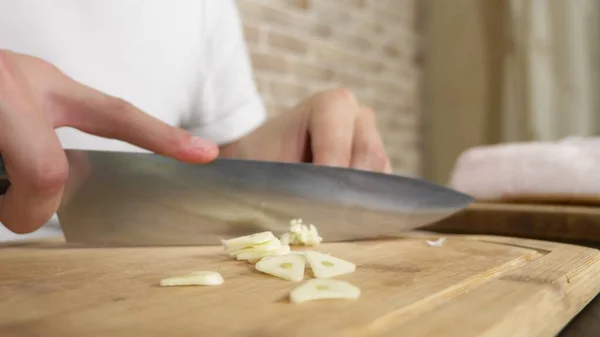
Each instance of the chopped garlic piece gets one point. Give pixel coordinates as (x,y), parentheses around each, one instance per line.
(437,243)
(257,255)
(301,234)
(288,267)
(248,240)
(270,245)
(317,289)
(202,278)
(327,266)
(285,239)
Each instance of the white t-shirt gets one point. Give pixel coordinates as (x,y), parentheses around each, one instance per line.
(182,61)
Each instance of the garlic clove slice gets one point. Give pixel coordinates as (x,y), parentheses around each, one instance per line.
(203,278)
(257,255)
(285,239)
(270,245)
(248,240)
(288,267)
(320,289)
(327,266)
(437,243)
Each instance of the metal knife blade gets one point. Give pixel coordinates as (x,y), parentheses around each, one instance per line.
(148,199)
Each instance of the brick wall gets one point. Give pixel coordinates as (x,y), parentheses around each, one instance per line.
(299,47)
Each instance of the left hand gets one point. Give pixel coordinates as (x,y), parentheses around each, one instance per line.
(330,128)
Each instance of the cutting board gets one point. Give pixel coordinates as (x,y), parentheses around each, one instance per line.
(470,286)
(566,223)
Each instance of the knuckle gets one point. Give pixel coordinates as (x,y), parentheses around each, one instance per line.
(367,111)
(50,175)
(338,95)
(343,94)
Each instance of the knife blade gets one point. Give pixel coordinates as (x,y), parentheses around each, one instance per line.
(128,198)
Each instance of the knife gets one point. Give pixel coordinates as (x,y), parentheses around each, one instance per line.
(140,199)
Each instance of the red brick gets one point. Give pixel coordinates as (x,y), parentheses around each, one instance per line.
(299,4)
(370,29)
(269,63)
(289,91)
(306,71)
(287,42)
(394,52)
(359,43)
(350,80)
(251,10)
(252,34)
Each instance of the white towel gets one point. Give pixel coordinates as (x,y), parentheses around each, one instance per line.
(567,168)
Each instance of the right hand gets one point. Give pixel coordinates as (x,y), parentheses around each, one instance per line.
(36,98)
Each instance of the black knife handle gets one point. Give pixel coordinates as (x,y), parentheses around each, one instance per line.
(4,183)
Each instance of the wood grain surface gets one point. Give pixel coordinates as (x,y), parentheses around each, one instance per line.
(471,286)
(564,223)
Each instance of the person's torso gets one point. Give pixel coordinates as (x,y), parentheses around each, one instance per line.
(147,52)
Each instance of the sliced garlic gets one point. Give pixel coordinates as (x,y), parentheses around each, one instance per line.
(247,240)
(319,289)
(270,245)
(327,266)
(288,267)
(203,278)
(285,239)
(257,255)
(437,243)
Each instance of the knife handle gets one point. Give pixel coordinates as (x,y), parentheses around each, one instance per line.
(4,183)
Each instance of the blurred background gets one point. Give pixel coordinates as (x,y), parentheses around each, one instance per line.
(442,75)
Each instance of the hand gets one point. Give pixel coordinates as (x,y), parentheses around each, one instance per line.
(36,98)
(330,128)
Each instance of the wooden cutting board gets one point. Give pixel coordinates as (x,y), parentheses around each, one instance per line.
(567,223)
(470,286)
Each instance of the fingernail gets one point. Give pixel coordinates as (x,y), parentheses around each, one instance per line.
(202,145)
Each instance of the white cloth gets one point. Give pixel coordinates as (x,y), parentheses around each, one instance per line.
(182,61)
(567,168)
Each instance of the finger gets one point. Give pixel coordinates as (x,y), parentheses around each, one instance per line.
(388,168)
(368,151)
(96,113)
(33,157)
(331,127)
